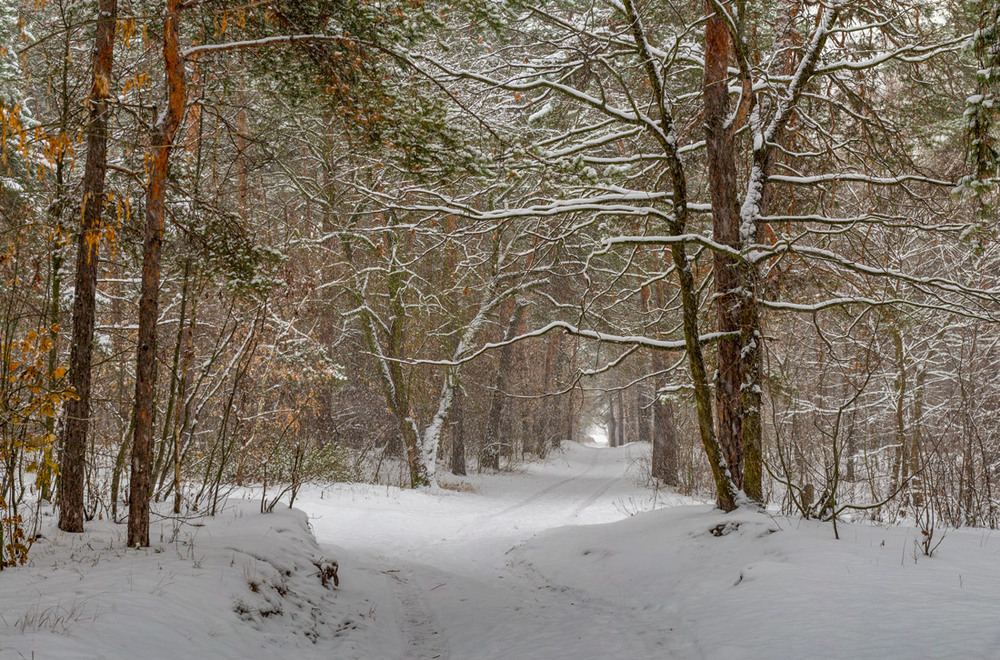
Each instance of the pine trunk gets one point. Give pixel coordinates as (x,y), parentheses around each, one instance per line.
(161,141)
(74,444)
(725,231)
(490,456)
(612,423)
(458,435)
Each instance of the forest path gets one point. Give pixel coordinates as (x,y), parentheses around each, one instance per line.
(441,575)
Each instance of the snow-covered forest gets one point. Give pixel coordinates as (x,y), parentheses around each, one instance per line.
(461,280)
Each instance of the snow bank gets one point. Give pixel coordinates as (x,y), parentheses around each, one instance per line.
(225,587)
(746,585)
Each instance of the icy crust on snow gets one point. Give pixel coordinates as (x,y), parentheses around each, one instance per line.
(224,587)
(747,585)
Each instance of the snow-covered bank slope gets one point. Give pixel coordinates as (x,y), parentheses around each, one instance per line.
(779,588)
(239,585)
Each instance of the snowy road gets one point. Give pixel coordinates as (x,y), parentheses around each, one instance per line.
(523,569)
(441,576)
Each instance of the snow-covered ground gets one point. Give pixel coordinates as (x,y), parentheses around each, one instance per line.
(571,558)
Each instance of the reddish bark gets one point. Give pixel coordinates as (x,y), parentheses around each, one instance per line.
(161,142)
(726,231)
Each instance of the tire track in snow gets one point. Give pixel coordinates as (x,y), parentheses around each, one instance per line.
(531,499)
(415,621)
(641,632)
(590,501)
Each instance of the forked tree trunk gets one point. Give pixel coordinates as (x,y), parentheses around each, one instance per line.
(161,142)
(754,209)
(74,444)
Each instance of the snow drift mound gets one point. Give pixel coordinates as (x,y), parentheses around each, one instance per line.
(224,587)
(746,585)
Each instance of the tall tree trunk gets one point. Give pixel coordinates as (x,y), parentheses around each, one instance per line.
(175,401)
(242,130)
(182,410)
(545,414)
(621,419)
(917,489)
(569,426)
(404,413)
(46,479)
(161,142)
(665,444)
(74,442)
(725,231)
(665,462)
(728,494)
(490,456)
(752,396)
(458,435)
(900,462)
(612,422)
(642,412)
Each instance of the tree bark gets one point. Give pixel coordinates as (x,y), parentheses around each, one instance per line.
(725,231)
(900,462)
(642,412)
(458,435)
(665,133)
(161,142)
(665,445)
(612,422)
(490,456)
(621,420)
(546,411)
(74,444)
